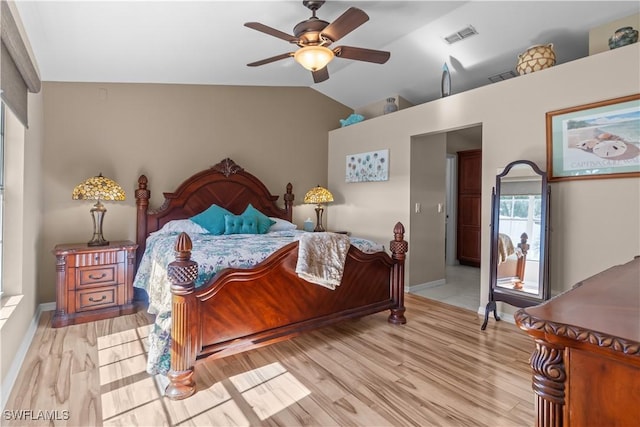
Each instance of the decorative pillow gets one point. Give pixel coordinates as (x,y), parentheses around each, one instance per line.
(212,219)
(281,225)
(263,221)
(180,225)
(244,224)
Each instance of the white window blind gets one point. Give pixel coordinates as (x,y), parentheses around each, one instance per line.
(18,74)
(1,187)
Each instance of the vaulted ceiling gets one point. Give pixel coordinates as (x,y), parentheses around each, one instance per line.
(206,42)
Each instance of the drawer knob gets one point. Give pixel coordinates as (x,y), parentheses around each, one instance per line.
(97,300)
(91,276)
(96,258)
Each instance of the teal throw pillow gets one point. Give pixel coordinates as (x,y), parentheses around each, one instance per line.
(212,219)
(264,222)
(244,224)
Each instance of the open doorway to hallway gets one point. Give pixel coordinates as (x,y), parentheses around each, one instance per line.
(461,284)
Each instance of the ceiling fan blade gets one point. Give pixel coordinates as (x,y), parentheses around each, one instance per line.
(320,75)
(272,59)
(361,54)
(345,23)
(271,31)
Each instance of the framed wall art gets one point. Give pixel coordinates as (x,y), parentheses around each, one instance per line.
(365,167)
(597,140)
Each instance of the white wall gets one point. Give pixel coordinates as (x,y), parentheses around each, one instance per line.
(22,236)
(594,223)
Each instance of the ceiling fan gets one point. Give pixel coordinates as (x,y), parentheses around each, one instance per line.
(314,35)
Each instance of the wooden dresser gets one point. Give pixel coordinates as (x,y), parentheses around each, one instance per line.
(586,366)
(93,282)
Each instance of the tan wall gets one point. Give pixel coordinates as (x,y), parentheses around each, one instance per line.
(428,185)
(169,132)
(22,236)
(512,114)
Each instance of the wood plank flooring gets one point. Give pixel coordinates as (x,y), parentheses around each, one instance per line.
(437,370)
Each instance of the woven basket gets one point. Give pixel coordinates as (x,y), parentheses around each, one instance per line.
(536,58)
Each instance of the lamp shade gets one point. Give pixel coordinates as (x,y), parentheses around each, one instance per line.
(313,58)
(318,195)
(98,188)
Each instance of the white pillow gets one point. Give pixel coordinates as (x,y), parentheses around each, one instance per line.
(180,225)
(281,225)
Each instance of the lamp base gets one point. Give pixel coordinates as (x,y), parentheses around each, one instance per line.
(319,210)
(97,213)
(98,241)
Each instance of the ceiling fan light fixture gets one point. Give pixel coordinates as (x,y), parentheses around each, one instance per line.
(313,58)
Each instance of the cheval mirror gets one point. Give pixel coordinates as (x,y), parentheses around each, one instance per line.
(519,236)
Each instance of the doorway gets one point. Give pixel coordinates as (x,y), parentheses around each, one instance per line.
(461,283)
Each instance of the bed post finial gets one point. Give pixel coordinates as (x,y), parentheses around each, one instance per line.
(142,205)
(182,273)
(399,247)
(288,201)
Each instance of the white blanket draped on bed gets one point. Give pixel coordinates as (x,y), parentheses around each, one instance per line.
(321,258)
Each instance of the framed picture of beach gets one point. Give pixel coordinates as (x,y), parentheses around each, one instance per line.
(597,140)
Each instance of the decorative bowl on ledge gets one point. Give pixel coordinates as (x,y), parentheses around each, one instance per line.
(536,58)
(622,37)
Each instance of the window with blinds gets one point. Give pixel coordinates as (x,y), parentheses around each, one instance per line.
(1,185)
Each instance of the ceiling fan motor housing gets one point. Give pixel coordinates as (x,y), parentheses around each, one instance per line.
(308,32)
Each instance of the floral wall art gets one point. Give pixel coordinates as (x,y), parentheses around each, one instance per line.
(365,167)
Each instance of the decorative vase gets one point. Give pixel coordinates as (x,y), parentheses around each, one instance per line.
(308,225)
(445,81)
(536,58)
(390,106)
(622,37)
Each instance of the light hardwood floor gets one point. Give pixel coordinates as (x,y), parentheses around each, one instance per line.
(439,369)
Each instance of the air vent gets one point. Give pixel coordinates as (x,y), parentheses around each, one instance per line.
(502,76)
(461,35)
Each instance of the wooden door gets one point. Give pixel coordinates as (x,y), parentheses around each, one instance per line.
(469,192)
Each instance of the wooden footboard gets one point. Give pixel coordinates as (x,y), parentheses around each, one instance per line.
(241,309)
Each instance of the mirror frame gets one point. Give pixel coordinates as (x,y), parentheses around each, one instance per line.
(515,297)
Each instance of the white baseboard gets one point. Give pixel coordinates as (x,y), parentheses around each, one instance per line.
(503,316)
(14,370)
(423,286)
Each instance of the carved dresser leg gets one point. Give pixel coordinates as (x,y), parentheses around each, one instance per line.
(549,377)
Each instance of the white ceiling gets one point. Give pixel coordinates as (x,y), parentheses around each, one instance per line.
(205,42)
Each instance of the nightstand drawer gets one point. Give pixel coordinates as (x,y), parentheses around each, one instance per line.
(91,299)
(103,275)
(98,258)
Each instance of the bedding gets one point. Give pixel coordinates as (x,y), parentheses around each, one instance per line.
(181,225)
(213,253)
(281,225)
(505,248)
(321,258)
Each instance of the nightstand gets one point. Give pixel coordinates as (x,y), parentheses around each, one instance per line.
(93,282)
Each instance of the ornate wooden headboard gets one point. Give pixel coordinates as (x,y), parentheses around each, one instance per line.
(225,184)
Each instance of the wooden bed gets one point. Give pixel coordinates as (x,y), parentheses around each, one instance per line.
(241,309)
